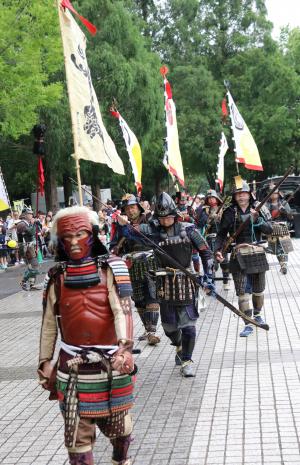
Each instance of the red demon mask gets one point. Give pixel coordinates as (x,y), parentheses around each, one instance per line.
(75,232)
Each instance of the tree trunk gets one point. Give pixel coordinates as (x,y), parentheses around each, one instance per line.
(96,193)
(68,188)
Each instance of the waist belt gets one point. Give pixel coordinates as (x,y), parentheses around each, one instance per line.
(75,350)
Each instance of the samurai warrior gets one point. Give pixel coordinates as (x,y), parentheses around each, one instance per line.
(186,214)
(87,299)
(176,291)
(139,259)
(209,219)
(26,232)
(248,263)
(279,242)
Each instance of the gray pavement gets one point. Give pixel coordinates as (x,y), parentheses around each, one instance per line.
(11,278)
(242,408)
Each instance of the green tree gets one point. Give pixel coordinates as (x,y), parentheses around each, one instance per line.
(29,57)
(267,95)
(123,68)
(207,41)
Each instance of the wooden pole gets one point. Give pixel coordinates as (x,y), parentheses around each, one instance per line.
(79,181)
(74,123)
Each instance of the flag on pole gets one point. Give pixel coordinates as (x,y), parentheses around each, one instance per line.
(222,153)
(133,149)
(91,140)
(18,205)
(4,199)
(245,147)
(41,177)
(173,151)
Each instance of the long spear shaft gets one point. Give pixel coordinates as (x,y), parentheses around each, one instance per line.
(177,265)
(257,209)
(292,194)
(197,193)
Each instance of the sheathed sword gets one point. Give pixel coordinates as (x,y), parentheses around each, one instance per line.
(178,266)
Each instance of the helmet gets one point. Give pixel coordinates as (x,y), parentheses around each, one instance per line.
(165,206)
(130,199)
(27,210)
(181,197)
(213,193)
(244,188)
(277,191)
(12,244)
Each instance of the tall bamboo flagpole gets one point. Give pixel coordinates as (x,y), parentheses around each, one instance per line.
(74,123)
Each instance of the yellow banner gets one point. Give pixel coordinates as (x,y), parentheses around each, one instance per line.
(245,146)
(91,140)
(4,200)
(18,205)
(134,152)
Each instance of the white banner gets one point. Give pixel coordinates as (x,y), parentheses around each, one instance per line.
(91,140)
(222,153)
(174,156)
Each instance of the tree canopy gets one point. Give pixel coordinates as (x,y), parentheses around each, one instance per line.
(202,42)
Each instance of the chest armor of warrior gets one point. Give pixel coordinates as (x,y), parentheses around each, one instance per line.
(212,223)
(28,233)
(85,315)
(176,243)
(246,235)
(173,286)
(274,210)
(131,245)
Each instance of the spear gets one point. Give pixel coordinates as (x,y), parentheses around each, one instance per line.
(178,266)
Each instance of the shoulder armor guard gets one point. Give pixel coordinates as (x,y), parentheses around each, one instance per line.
(51,277)
(121,276)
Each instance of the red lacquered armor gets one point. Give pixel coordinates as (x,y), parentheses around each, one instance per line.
(85,315)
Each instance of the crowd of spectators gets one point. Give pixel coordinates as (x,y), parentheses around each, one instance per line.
(9,241)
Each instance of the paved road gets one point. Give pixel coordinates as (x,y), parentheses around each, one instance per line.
(10,279)
(242,408)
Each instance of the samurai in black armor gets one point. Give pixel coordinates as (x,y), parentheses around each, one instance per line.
(139,259)
(279,242)
(176,292)
(248,263)
(210,218)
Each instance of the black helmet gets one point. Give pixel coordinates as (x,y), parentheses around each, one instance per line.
(130,199)
(165,206)
(213,193)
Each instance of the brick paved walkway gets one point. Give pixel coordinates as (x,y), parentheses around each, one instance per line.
(242,408)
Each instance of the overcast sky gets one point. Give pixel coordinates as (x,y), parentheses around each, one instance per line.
(283,12)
